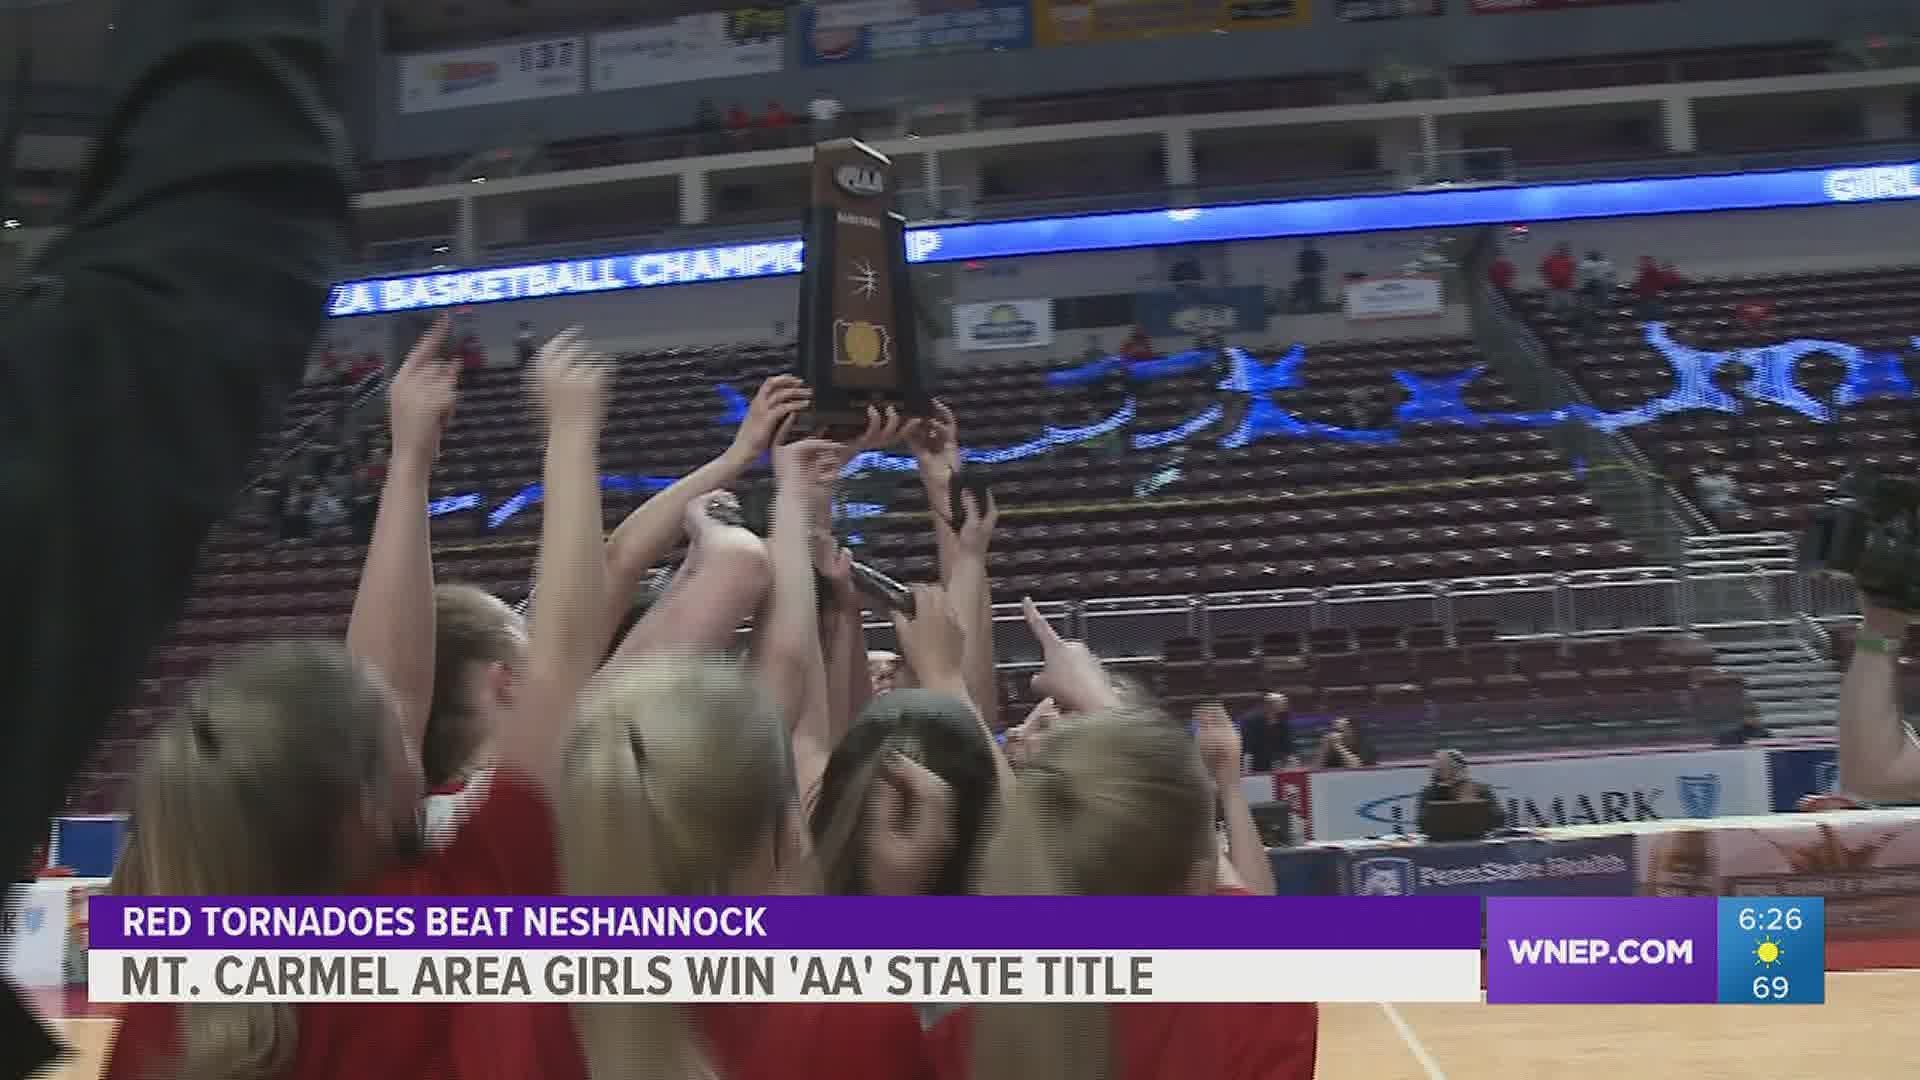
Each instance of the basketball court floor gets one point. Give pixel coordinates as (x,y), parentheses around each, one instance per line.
(1857,1035)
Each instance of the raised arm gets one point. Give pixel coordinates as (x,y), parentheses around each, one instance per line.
(849,686)
(566,640)
(392,626)
(1879,757)
(935,444)
(652,530)
(1220,747)
(789,652)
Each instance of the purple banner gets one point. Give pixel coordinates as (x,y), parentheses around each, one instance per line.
(785,922)
(1602,951)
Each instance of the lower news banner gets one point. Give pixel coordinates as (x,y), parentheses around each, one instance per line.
(932,950)
(1656,950)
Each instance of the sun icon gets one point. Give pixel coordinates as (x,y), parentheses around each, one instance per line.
(1767,953)
(866,280)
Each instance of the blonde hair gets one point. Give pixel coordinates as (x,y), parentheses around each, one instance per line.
(470,626)
(1114,804)
(250,791)
(678,776)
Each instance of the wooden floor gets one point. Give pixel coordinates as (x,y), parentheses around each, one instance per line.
(1855,1036)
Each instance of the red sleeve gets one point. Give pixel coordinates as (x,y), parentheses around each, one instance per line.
(866,1041)
(950,1046)
(1266,1042)
(505,848)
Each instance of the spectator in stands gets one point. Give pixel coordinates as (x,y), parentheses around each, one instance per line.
(1345,747)
(739,121)
(1597,279)
(825,111)
(1138,345)
(1452,782)
(883,670)
(1717,490)
(1648,288)
(1501,272)
(325,510)
(706,117)
(1559,271)
(293,511)
(778,118)
(1309,290)
(1267,732)
(1749,728)
(367,366)
(1754,314)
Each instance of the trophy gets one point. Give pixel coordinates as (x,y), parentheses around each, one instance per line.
(858,340)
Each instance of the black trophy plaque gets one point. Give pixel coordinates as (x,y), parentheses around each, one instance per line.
(858,345)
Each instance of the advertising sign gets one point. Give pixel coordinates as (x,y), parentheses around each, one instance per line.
(935,28)
(1402,296)
(1202,311)
(1865,864)
(1092,22)
(1502,7)
(840,14)
(1599,867)
(1793,775)
(492,74)
(1352,804)
(34,928)
(715,45)
(1003,324)
(1382,10)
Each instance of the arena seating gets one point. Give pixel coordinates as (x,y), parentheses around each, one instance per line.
(1415,688)
(1785,462)
(1444,501)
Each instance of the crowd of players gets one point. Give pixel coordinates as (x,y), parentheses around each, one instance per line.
(448,747)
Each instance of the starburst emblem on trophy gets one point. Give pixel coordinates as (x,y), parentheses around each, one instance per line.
(865,278)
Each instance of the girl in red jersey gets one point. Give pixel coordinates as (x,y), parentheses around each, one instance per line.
(1117,800)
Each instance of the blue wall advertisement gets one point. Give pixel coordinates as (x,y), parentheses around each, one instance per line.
(1795,774)
(937,27)
(1599,867)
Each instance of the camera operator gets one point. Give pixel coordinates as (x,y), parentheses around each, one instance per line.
(1879,755)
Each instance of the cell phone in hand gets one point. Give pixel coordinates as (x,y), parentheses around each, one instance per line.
(962,484)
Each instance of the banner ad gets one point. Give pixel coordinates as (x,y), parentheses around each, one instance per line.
(1503,7)
(1383,10)
(1353,804)
(1866,865)
(1403,296)
(1003,324)
(1201,311)
(716,45)
(1793,775)
(1603,866)
(492,74)
(935,28)
(1094,22)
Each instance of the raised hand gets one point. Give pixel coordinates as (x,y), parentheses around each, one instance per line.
(1219,741)
(1069,673)
(420,397)
(570,380)
(835,566)
(935,442)
(976,531)
(778,400)
(911,810)
(809,468)
(884,428)
(933,642)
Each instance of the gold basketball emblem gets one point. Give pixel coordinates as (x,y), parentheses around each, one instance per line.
(861,344)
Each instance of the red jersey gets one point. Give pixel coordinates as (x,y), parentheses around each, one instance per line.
(1176,1042)
(1558,270)
(1501,273)
(506,850)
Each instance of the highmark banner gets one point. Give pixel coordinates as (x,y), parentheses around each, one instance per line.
(492,74)
(931,950)
(1090,22)
(1353,804)
(714,45)
(923,28)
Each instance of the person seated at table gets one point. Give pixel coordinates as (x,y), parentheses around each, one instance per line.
(1452,782)
(1345,747)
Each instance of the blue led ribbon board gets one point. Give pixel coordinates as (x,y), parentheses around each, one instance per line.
(1152,228)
